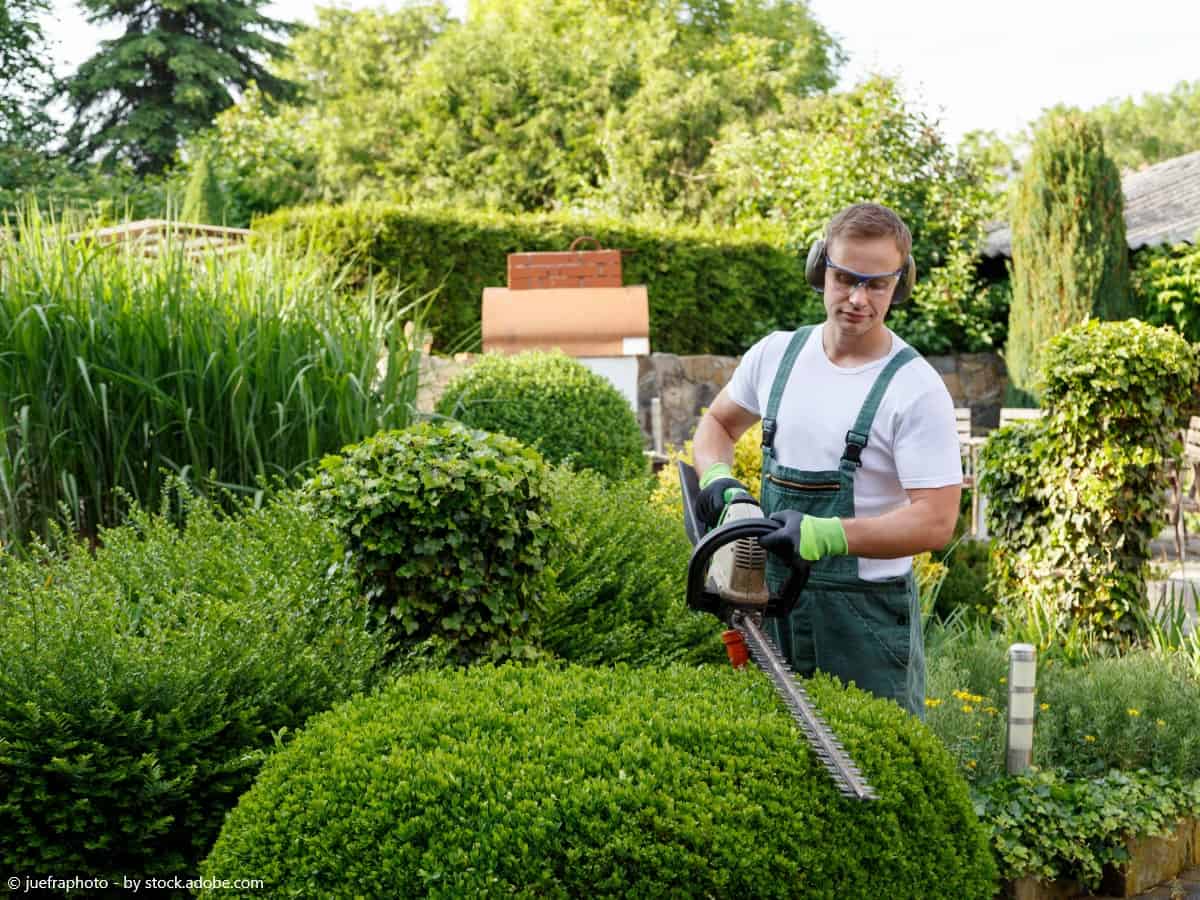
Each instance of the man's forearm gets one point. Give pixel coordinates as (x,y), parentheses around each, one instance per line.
(913,529)
(711,444)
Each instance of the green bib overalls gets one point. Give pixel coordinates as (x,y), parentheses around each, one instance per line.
(868,632)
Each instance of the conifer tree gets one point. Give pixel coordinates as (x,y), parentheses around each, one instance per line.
(204,201)
(168,75)
(1069,257)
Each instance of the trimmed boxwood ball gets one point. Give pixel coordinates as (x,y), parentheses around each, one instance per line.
(603,782)
(450,530)
(552,403)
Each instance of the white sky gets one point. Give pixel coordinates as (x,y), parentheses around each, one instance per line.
(972,65)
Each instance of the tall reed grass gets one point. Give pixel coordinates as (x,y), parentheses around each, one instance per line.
(226,371)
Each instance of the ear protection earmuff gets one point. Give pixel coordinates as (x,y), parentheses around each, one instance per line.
(814,271)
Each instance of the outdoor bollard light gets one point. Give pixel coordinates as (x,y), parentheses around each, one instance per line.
(656,423)
(1022,673)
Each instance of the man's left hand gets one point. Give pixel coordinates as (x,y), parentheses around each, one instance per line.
(808,537)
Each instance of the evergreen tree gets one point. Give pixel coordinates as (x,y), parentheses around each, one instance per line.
(204,202)
(1069,257)
(168,75)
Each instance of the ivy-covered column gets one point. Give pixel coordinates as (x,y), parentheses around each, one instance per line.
(1076,497)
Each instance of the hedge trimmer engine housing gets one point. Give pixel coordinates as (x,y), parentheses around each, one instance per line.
(727,578)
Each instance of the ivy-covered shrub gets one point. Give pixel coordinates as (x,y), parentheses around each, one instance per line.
(603,782)
(621,566)
(711,290)
(1075,497)
(553,403)
(450,530)
(141,685)
(1167,283)
(1046,824)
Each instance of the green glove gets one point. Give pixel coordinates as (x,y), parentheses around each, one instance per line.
(808,537)
(717,488)
(820,538)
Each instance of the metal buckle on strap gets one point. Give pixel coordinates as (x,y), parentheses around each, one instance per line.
(768,439)
(855,443)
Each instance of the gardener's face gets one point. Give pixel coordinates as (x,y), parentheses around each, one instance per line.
(857,306)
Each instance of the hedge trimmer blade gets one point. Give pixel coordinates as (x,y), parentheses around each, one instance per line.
(829,750)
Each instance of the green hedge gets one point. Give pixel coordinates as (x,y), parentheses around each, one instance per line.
(596,782)
(139,686)
(711,291)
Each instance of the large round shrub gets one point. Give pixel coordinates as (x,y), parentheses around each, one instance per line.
(601,782)
(450,530)
(553,403)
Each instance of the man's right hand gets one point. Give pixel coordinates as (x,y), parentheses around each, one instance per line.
(717,488)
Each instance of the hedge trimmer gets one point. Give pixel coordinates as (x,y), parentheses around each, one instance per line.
(727,577)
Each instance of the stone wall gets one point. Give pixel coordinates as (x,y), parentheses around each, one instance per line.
(687,384)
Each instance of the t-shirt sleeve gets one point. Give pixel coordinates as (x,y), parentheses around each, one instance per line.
(926,448)
(743,386)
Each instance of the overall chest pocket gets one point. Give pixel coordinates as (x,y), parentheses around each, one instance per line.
(822,486)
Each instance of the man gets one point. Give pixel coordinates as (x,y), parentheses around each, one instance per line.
(861,463)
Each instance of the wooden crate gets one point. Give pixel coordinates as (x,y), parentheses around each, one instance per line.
(571,268)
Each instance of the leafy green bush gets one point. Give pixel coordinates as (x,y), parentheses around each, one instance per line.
(450,530)
(1167,281)
(139,686)
(1075,497)
(603,782)
(552,403)
(711,291)
(621,566)
(1048,825)
(114,367)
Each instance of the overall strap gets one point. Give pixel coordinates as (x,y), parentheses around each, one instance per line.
(856,437)
(795,345)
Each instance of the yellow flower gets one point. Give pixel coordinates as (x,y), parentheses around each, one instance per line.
(971,763)
(1133,712)
(1044,707)
(991,710)
(932,702)
(1090,738)
(968,709)
(1003,680)
(1159,722)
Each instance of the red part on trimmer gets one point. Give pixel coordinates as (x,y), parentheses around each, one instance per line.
(735,646)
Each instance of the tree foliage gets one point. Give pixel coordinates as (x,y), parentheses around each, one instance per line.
(868,144)
(1156,127)
(1069,257)
(532,105)
(25,76)
(168,75)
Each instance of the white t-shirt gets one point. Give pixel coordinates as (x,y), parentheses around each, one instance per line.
(913,441)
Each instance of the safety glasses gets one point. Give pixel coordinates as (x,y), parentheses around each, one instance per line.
(846,280)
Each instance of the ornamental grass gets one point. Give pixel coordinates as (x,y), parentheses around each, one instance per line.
(116,368)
